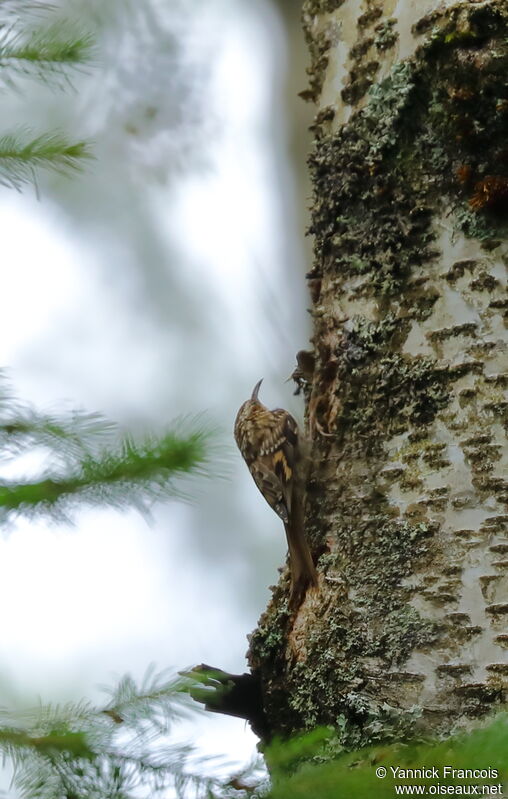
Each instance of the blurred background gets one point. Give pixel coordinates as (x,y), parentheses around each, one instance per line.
(163,281)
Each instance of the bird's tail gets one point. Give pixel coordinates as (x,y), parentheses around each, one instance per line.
(303,571)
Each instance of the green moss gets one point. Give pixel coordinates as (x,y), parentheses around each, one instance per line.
(380,389)
(406,630)
(267,641)
(474,225)
(377,178)
(428,134)
(360,80)
(378,723)
(363,222)
(378,555)
(386,36)
(381,724)
(317,7)
(378,623)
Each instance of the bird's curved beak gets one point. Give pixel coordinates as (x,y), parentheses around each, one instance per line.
(255,390)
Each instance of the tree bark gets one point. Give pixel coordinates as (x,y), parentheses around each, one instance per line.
(406,507)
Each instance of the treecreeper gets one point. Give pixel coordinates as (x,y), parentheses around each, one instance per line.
(274,449)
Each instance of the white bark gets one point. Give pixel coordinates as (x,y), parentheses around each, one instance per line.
(407,503)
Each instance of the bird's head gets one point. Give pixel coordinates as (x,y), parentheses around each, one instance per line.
(245,411)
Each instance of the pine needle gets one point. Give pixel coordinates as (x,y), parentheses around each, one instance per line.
(22,154)
(88,752)
(45,54)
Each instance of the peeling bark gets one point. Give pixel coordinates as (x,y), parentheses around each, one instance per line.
(407,408)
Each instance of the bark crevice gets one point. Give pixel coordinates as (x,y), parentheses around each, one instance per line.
(407,499)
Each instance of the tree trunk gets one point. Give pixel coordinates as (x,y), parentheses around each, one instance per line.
(406,408)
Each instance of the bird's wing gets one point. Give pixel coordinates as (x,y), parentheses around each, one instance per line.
(273,470)
(270,486)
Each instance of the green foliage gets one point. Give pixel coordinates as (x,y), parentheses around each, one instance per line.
(44,53)
(120,750)
(79,750)
(22,153)
(22,427)
(117,750)
(303,768)
(47,53)
(90,463)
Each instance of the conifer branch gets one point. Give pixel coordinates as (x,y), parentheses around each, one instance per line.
(21,156)
(90,463)
(67,435)
(46,54)
(71,434)
(159,699)
(85,751)
(15,8)
(132,473)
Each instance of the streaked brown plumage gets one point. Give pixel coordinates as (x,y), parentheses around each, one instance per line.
(270,445)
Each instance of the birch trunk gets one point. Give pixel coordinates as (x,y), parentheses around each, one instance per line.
(406,507)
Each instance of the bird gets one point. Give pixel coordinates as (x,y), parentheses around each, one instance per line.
(272,447)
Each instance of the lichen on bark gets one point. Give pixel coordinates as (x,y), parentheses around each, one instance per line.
(406,501)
